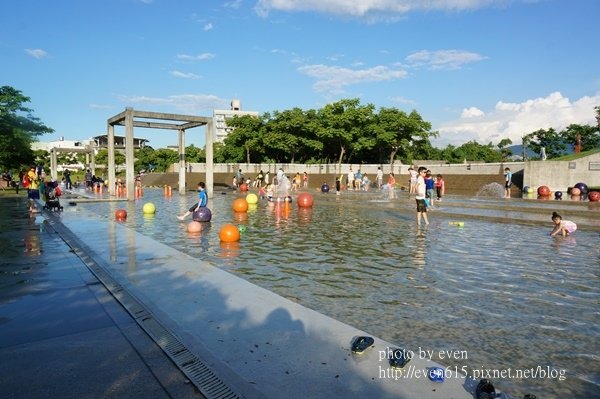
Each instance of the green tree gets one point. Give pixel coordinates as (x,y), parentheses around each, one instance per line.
(42,157)
(402,134)
(164,158)
(195,154)
(473,151)
(343,122)
(589,135)
(292,136)
(550,140)
(102,157)
(246,138)
(143,157)
(505,152)
(18,129)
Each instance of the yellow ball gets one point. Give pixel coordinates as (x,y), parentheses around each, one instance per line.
(149,208)
(529,190)
(251,198)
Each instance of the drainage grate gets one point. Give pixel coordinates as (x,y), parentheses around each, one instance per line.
(209,384)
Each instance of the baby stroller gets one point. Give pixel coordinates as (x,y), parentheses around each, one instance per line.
(51,194)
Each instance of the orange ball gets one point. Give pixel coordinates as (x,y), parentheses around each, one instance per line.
(240,205)
(194,227)
(305,200)
(229,233)
(121,214)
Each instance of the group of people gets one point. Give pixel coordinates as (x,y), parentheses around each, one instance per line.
(426,189)
(263,180)
(357,181)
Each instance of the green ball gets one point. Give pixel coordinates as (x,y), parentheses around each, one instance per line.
(149,208)
(241,228)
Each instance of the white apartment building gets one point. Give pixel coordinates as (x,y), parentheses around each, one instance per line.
(220,117)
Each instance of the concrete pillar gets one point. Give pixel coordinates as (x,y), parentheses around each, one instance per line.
(92,162)
(210,134)
(111,160)
(181,151)
(53,164)
(129,171)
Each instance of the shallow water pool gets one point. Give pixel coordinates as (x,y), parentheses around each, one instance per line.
(496,296)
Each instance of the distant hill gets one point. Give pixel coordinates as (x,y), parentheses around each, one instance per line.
(517,152)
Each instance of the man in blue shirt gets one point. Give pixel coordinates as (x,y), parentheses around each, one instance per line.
(202,201)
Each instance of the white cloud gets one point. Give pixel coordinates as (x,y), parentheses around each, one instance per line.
(208,27)
(402,100)
(442,59)
(235,4)
(471,112)
(36,53)
(199,57)
(189,75)
(385,9)
(100,106)
(334,78)
(514,120)
(183,103)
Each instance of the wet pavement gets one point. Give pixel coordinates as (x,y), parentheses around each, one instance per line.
(62,334)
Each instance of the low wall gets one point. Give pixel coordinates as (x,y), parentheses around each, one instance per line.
(371,169)
(560,175)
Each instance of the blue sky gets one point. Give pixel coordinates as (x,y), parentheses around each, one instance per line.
(476,69)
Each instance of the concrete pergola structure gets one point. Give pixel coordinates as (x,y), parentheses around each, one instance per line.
(88,151)
(131,118)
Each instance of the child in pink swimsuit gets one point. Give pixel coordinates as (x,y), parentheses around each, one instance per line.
(564,227)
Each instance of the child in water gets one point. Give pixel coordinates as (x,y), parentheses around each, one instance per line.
(564,227)
(202,201)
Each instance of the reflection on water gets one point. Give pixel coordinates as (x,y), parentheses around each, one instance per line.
(506,293)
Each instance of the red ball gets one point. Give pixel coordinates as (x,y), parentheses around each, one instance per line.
(243,187)
(594,196)
(543,191)
(305,200)
(121,214)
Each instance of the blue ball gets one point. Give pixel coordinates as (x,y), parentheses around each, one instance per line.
(325,188)
(558,195)
(582,187)
(202,215)
(525,189)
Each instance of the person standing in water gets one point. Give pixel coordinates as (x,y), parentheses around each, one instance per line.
(391,185)
(440,187)
(420,197)
(379,178)
(507,182)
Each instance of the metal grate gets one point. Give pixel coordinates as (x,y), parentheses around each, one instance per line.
(209,384)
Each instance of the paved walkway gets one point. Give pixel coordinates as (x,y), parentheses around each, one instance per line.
(62,335)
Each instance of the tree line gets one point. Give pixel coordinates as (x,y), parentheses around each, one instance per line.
(344,131)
